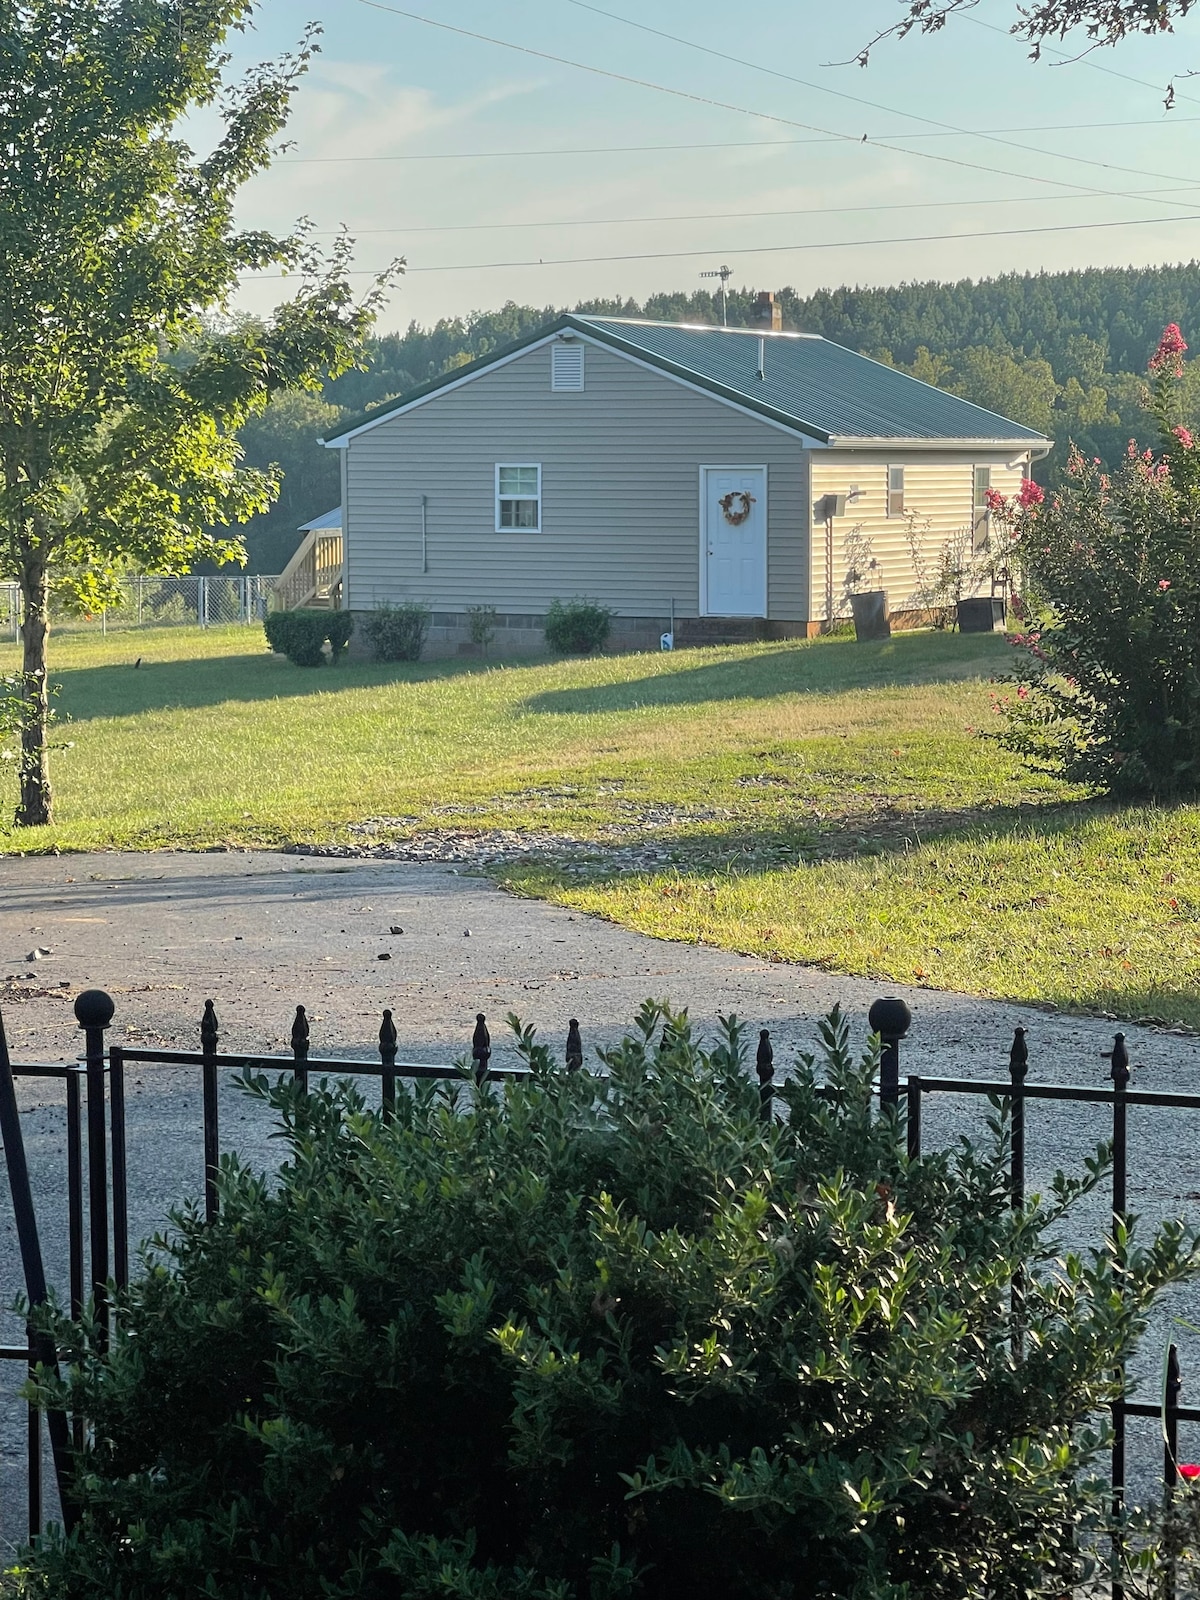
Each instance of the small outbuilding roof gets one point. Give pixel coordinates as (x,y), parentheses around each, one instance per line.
(327,522)
(805,382)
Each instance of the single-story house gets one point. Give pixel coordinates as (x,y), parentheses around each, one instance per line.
(720,483)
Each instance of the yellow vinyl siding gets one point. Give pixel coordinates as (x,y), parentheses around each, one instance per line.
(938,491)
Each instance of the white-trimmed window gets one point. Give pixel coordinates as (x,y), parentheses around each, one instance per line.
(518,498)
(895,498)
(980,516)
(566,366)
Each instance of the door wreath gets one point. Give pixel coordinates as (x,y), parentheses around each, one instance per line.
(726,503)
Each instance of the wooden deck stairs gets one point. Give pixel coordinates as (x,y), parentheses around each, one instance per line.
(313,577)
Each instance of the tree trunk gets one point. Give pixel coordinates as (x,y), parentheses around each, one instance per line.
(34,805)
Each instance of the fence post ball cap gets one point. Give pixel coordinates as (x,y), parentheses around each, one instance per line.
(889,1017)
(94,1008)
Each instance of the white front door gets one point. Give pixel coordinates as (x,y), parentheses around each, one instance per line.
(734,542)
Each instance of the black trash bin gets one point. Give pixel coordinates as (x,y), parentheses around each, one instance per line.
(982,614)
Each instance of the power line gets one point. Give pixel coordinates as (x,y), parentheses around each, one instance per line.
(724,105)
(769,249)
(856,99)
(722,216)
(716,144)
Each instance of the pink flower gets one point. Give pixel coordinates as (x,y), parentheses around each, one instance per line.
(1169,355)
(1189,1469)
(1163,585)
(994,500)
(1030,493)
(1184,437)
(1022,692)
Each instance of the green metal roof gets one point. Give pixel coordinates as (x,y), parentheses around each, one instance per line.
(808,383)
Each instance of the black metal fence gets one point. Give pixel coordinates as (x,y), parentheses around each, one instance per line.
(95,1099)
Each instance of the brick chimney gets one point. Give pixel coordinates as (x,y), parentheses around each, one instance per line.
(768,318)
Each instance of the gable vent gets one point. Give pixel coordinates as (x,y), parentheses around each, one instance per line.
(566,366)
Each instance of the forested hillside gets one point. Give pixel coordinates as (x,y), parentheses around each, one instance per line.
(1063,352)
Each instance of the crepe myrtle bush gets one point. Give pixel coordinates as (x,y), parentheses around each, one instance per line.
(602,1337)
(1109,690)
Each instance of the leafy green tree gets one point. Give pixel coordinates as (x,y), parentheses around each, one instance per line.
(1105,22)
(606,1338)
(284,439)
(116,240)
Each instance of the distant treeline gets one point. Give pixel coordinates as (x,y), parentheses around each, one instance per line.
(1064,352)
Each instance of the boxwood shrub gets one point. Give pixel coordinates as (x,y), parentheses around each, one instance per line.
(301,635)
(398,633)
(577,627)
(603,1338)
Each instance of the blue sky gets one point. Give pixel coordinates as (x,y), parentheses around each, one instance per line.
(768,187)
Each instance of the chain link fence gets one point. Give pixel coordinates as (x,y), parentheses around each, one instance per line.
(150,602)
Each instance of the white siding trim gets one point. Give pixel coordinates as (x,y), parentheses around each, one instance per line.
(344,464)
(848,441)
(739,466)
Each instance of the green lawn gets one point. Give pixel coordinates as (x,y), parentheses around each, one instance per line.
(826,802)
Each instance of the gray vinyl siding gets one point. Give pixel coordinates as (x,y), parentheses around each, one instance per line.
(620,493)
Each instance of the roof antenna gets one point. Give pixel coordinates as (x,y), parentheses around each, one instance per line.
(724,273)
(762,358)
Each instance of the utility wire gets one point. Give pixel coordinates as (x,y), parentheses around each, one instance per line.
(717,144)
(857,99)
(769,249)
(745,111)
(721,216)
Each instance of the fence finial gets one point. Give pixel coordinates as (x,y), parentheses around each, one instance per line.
(1018,1056)
(300,1033)
(764,1065)
(209,1029)
(300,1048)
(94,1008)
(387,1036)
(387,1062)
(1119,1056)
(890,1018)
(574,1046)
(481,1047)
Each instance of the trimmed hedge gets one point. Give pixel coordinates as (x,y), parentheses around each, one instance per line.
(577,627)
(397,633)
(301,635)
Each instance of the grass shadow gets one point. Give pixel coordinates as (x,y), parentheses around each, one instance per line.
(124,690)
(824,667)
(699,850)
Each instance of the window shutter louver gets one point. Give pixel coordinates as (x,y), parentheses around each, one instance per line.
(566,367)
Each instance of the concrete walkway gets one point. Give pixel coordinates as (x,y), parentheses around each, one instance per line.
(259,933)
